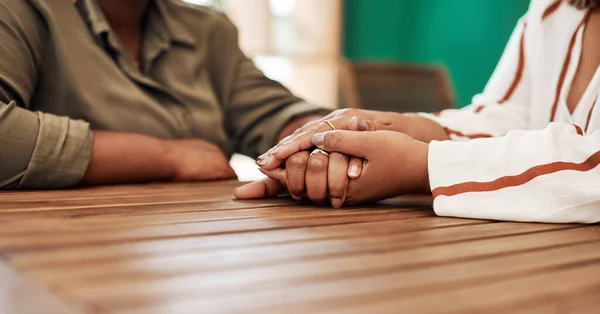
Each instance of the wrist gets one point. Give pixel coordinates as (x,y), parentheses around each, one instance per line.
(407,124)
(168,159)
(387,120)
(424,183)
(423,129)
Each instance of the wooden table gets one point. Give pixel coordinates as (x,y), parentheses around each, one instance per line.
(190,248)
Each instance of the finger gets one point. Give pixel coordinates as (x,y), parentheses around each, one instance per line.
(266,188)
(312,124)
(299,142)
(304,128)
(284,140)
(337,178)
(302,141)
(295,168)
(276,157)
(316,177)
(266,161)
(358,124)
(355,167)
(357,144)
(277,174)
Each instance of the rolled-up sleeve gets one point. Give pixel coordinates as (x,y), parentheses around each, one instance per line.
(39,150)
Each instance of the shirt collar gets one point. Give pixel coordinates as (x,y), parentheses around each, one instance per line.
(177,30)
(167,26)
(94,16)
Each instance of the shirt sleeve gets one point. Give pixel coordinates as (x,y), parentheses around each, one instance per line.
(504,103)
(259,108)
(548,175)
(37,150)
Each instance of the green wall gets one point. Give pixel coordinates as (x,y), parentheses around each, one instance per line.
(468,36)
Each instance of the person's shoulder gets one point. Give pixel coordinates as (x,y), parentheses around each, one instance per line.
(199,16)
(23,17)
(18,9)
(541,9)
(543,4)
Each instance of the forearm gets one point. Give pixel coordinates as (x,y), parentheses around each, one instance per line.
(127,158)
(539,175)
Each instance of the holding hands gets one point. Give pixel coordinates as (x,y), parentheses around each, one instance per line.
(361,156)
(338,120)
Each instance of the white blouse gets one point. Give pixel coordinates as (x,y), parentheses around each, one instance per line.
(516,152)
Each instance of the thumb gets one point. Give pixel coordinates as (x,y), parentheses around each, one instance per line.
(277,174)
(267,188)
(356,144)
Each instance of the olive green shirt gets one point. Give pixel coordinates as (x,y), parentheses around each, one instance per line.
(59,60)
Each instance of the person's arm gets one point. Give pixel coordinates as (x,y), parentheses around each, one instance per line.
(126,157)
(258,111)
(130,158)
(43,151)
(263,111)
(548,175)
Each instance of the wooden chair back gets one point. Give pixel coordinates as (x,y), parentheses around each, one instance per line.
(395,87)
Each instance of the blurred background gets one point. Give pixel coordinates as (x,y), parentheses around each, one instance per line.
(303,43)
(397,55)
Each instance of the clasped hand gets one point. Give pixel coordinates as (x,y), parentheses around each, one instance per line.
(364,159)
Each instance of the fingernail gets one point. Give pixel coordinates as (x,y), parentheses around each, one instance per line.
(263,160)
(297,198)
(318,139)
(354,123)
(337,202)
(353,172)
(362,125)
(235,193)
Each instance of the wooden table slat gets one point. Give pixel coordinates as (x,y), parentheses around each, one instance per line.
(407,275)
(269,254)
(575,278)
(161,247)
(191,248)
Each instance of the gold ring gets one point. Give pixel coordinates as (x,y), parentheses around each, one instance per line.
(330,124)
